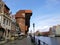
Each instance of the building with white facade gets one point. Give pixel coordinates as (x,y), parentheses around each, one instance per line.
(57,30)
(5,19)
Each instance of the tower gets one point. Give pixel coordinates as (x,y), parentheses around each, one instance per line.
(23,19)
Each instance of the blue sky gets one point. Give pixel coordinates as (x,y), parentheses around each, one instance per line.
(46,13)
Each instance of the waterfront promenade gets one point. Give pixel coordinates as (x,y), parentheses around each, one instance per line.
(24,41)
(27,41)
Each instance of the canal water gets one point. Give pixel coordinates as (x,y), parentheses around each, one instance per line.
(48,40)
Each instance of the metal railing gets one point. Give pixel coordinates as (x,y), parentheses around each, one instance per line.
(41,42)
(37,41)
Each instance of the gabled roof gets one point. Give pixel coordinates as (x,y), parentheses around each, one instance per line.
(6,7)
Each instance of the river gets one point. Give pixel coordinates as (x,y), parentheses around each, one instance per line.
(48,40)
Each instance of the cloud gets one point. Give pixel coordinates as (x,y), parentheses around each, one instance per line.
(43,29)
(50,21)
(47,15)
(46,21)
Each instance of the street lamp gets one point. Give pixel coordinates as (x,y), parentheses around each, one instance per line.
(34,30)
(33,26)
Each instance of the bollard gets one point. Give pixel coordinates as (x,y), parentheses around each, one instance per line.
(39,42)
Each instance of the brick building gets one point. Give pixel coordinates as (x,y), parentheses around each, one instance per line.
(23,19)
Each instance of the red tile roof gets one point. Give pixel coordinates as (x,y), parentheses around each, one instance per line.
(28,11)
(19,13)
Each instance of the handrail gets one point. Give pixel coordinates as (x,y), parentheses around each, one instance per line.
(39,42)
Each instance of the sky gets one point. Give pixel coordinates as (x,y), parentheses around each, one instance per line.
(46,13)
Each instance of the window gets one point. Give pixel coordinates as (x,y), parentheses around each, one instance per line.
(4,21)
(0,18)
(7,22)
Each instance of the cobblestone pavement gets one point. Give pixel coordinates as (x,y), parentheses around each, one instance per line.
(24,41)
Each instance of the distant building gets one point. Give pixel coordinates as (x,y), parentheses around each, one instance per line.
(50,30)
(53,30)
(57,32)
(45,33)
(23,19)
(37,33)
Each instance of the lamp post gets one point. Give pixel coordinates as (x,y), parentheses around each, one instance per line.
(33,26)
(34,30)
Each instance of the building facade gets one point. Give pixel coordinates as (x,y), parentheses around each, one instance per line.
(14,26)
(5,19)
(23,19)
(57,32)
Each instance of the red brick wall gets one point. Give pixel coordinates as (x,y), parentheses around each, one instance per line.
(21,23)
